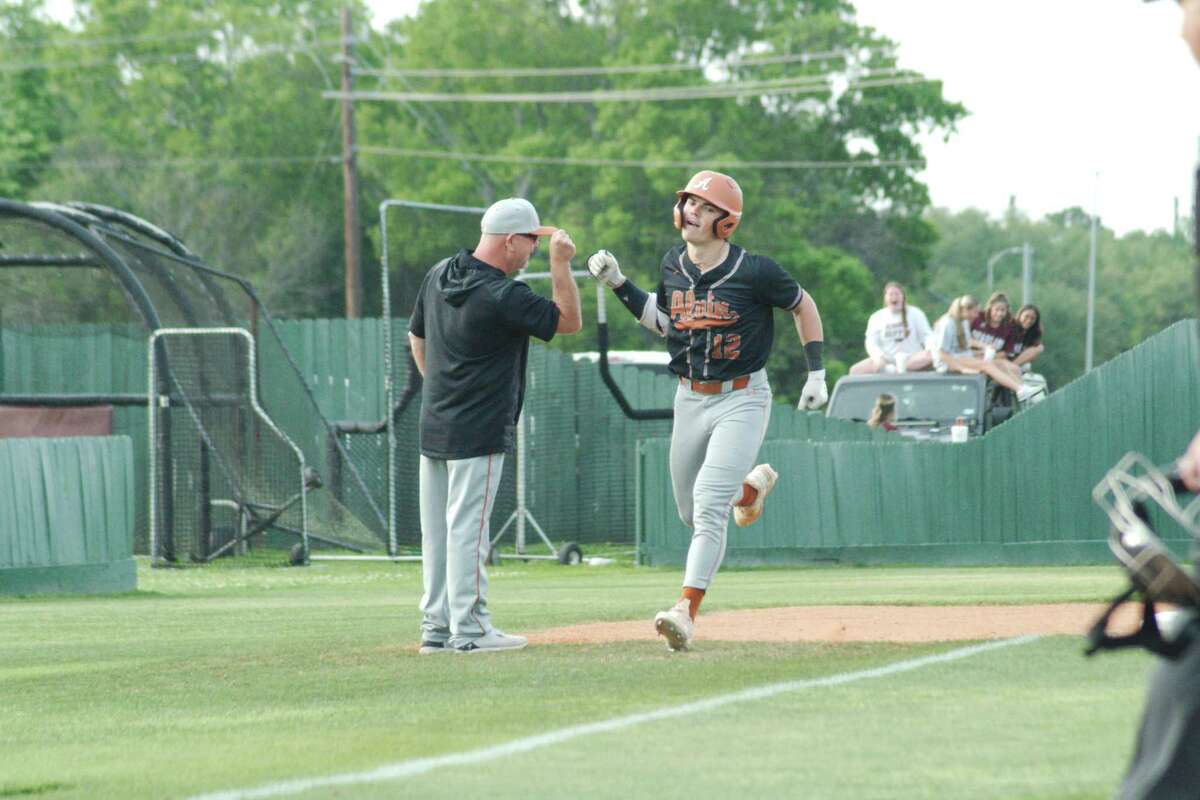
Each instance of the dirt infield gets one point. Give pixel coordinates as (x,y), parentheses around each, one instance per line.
(860,624)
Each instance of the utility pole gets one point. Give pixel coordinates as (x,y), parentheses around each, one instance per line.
(1026,274)
(1091,293)
(350,177)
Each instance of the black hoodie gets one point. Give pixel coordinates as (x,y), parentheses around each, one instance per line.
(476,325)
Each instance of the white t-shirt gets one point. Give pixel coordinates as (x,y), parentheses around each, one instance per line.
(944,339)
(885,333)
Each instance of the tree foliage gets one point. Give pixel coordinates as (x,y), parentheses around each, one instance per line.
(1143,280)
(839,231)
(207,119)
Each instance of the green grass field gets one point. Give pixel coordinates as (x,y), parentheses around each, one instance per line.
(234,678)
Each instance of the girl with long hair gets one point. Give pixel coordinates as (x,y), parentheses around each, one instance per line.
(951,348)
(1029,317)
(883,415)
(895,338)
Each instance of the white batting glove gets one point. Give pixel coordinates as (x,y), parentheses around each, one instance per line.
(814,394)
(989,354)
(604,268)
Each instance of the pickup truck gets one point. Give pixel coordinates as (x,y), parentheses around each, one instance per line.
(927,403)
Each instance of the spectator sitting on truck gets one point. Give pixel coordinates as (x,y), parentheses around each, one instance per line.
(1029,344)
(997,334)
(951,347)
(883,415)
(895,334)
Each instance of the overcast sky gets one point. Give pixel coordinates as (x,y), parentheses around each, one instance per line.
(1057,90)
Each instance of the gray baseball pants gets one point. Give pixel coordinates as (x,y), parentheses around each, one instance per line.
(1166,761)
(457,498)
(714,443)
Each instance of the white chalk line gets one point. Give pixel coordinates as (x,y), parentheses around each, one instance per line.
(420,766)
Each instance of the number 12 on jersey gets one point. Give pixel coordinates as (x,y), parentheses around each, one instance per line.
(725,346)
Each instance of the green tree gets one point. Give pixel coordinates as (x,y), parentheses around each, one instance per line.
(1142,280)
(32,118)
(839,231)
(208,121)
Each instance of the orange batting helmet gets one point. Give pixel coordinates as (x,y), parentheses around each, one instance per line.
(720,190)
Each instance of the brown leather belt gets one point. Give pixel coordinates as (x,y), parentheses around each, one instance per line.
(716,387)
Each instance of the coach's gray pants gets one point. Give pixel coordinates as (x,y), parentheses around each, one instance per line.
(714,443)
(457,497)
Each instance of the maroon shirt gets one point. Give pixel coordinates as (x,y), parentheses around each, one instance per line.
(1004,338)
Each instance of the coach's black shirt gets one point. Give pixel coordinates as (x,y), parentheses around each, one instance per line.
(476,324)
(721,322)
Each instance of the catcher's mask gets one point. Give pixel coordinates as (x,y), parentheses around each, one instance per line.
(720,190)
(1124,494)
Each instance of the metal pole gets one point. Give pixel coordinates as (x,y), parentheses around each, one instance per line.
(389,389)
(521,508)
(1091,294)
(991,263)
(1026,274)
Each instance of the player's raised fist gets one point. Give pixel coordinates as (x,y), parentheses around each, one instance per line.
(604,268)
(561,246)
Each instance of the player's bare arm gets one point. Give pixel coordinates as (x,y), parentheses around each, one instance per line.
(565,293)
(604,268)
(418,352)
(812,335)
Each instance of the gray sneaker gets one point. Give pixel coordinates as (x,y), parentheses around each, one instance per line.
(493,641)
(433,648)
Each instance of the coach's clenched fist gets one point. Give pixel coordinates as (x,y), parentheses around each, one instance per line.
(562,249)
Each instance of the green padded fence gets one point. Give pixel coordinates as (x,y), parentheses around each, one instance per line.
(864,501)
(85,359)
(66,515)
(1020,494)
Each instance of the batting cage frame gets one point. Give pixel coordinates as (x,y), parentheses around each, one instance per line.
(167,287)
(166,389)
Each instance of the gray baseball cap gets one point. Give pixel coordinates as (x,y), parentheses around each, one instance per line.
(513,215)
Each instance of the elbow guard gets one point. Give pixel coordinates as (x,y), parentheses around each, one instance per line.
(643,306)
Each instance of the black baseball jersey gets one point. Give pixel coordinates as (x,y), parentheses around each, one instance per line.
(476,324)
(721,323)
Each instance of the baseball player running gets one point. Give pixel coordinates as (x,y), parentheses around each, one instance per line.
(469,333)
(714,305)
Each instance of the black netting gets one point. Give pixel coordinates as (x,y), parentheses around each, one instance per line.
(121,269)
(225,470)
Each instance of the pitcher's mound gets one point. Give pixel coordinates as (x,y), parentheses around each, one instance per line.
(861,624)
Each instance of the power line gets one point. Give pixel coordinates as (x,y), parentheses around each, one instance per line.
(260,52)
(140,38)
(640,163)
(782,86)
(622,69)
(182,162)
